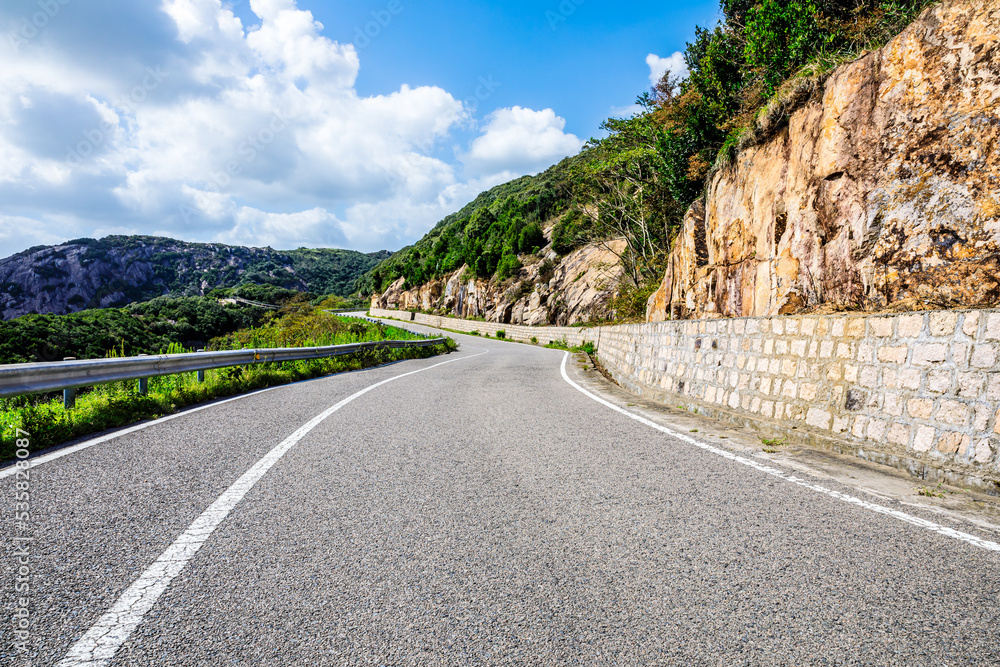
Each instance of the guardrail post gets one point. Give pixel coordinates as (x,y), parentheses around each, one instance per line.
(201,373)
(69,395)
(143,382)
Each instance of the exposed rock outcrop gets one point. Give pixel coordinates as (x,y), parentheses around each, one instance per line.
(882,187)
(573,289)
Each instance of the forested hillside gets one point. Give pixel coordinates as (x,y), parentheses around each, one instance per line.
(118,270)
(746,75)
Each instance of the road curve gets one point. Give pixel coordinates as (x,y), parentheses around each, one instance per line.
(479,511)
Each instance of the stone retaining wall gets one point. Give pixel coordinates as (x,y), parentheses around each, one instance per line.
(919,391)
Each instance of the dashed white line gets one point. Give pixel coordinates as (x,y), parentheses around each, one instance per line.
(99,645)
(896,514)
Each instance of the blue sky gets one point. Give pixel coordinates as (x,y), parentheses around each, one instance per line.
(302,123)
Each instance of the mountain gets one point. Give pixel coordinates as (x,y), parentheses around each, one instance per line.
(117,270)
(521,252)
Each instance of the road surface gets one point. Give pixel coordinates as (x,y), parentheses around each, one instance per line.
(476,508)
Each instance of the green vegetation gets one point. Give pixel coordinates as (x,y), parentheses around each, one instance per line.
(587,348)
(747,75)
(118,404)
(487,235)
(141,328)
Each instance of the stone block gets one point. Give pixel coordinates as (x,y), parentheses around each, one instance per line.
(866,352)
(899,434)
(834,372)
(881,326)
(928,354)
(890,378)
(856,327)
(955,413)
(909,326)
(984,356)
(813,349)
(970,325)
(970,385)
(909,378)
(944,323)
(844,351)
(869,376)
(826,349)
(769,346)
(876,429)
(983,451)
(855,400)
(993,326)
(781,347)
(981,417)
(765,386)
(818,418)
(838,327)
(792,327)
(939,381)
(920,408)
(850,373)
(893,404)
(774,366)
(788,367)
(799,348)
(808,326)
(807,392)
(822,327)
(778,327)
(893,354)
(858,430)
(755,405)
(924,439)
(789,390)
(841,424)
(767,408)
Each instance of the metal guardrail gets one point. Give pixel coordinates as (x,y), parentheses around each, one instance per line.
(33,378)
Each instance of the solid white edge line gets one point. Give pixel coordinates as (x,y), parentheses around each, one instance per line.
(902,516)
(72,449)
(98,646)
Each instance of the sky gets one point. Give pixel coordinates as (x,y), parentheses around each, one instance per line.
(291,123)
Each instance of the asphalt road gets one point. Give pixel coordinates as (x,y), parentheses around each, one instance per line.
(480,511)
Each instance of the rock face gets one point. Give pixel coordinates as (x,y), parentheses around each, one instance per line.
(118,270)
(550,291)
(883,187)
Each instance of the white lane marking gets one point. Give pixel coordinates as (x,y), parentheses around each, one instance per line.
(45,458)
(902,516)
(99,645)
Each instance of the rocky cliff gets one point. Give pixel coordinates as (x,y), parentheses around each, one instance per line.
(547,290)
(118,270)
(875,187)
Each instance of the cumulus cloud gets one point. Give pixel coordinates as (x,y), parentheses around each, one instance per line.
(674,63)
(197,126)
(519,141)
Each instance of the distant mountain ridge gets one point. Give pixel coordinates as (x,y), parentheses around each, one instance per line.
(118,270)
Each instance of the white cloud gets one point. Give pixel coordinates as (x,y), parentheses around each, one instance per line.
(674,63)
(213,130)
(519,141)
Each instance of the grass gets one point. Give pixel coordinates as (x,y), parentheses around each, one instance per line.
(771,444)
(587,347)
(931,492)
(119,404)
